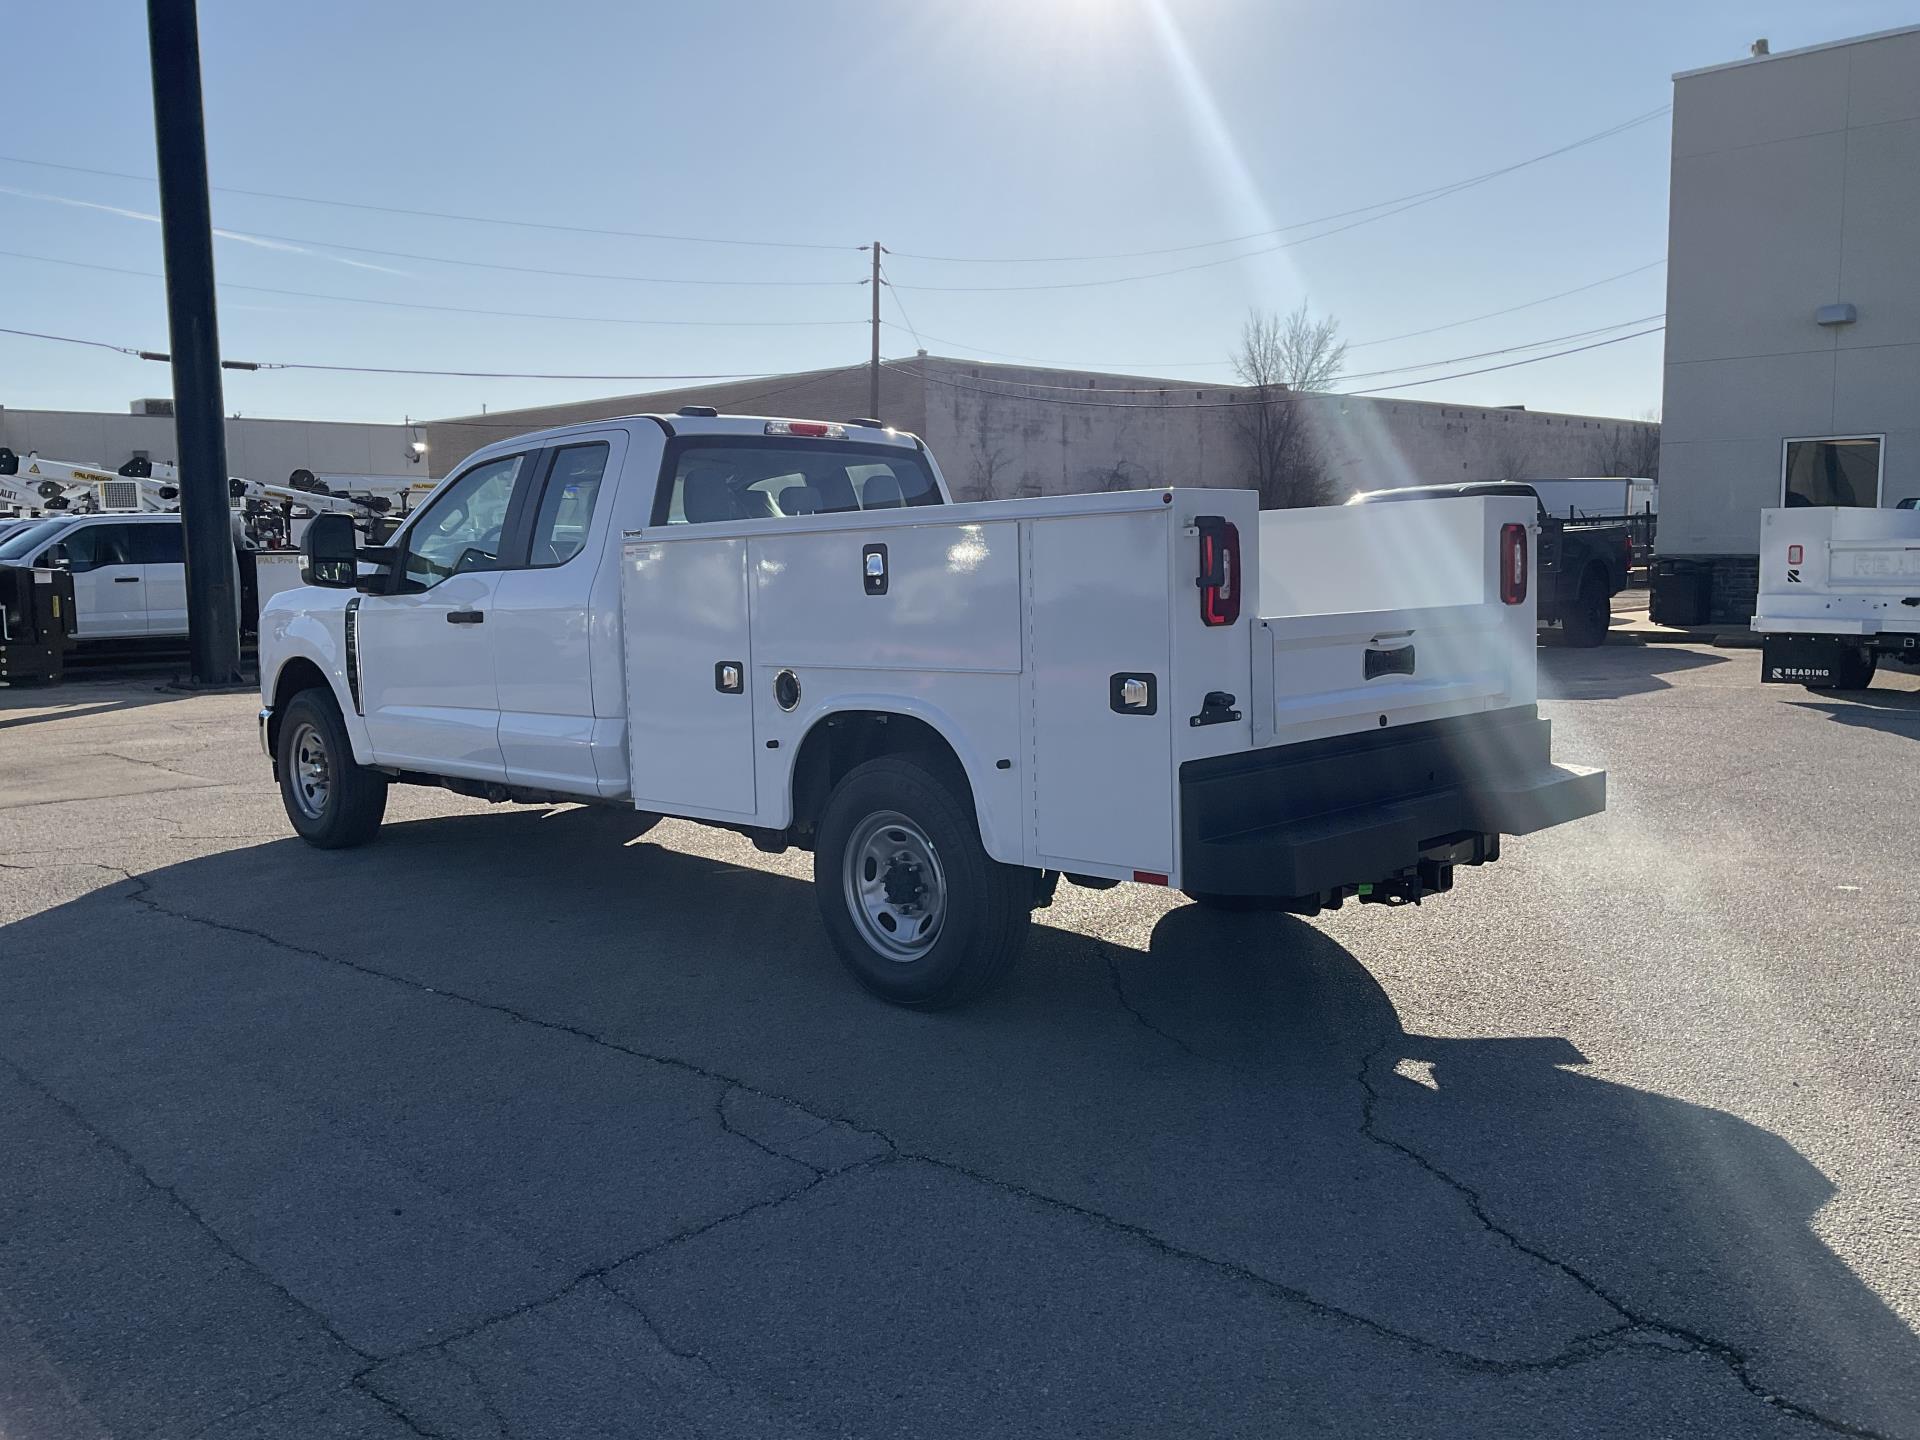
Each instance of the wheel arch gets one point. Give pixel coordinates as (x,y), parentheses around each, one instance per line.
(852,731)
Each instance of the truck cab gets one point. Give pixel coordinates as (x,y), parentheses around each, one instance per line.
(787,628)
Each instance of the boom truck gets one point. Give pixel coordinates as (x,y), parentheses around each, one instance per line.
(787,628)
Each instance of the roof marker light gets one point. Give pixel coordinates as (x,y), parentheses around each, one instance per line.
(815,429)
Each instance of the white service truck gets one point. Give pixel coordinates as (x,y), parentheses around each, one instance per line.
(1839,593)
(787,628)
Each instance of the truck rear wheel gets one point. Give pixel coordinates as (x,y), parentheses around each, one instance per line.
(1852,671)
(1585,623)
(332,801)
(916,908)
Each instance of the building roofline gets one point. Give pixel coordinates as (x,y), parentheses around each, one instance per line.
(1802,50)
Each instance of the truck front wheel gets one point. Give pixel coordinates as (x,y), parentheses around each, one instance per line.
(916,908)
(332,801)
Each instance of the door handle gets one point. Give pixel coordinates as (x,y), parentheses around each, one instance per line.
(126,579)
(466,617)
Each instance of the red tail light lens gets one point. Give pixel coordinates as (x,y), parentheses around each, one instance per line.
(1220,579)
(1513,564)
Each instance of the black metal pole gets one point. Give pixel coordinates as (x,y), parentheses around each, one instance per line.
(186,231)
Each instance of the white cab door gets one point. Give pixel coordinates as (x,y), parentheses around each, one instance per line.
(109,585)
(158,544)
(543,621)
(427,653)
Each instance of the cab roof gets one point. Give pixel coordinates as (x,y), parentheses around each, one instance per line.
(860,432)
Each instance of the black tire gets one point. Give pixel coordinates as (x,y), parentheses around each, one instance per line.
(1854,672)
(332,801)
(1233,904)
(984,906)
(1585,624)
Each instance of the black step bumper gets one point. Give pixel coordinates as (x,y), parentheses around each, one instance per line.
(1383,815)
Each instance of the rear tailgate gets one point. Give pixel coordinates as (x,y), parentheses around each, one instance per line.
(1372,616)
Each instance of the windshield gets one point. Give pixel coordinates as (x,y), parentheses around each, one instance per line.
(27,541)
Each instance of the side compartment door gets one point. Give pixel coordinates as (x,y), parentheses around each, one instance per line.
(109,589)
(427,653)
(689,676)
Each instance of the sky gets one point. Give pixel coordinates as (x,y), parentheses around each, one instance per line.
(1013,157)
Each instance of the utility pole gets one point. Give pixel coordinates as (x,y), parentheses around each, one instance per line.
(873,365)
(186,232)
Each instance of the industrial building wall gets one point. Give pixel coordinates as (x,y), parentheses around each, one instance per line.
(268,450)
(1795,185)
(1000,431)
(824,394)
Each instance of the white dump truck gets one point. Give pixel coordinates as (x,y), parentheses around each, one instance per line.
(787,628)
(1839,593)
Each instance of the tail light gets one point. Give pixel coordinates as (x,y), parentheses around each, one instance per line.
(1513,564)
(1220,578)
(1794,554)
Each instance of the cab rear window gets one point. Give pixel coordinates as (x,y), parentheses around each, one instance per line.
(709,481)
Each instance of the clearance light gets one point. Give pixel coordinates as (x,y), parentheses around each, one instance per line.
(1794,552)
(1513,564)
(814,429)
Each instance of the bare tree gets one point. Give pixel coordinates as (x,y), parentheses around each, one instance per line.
(1629,448)
(1510,458)
(1279,358)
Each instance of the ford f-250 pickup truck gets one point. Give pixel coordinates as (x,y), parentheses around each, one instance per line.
(787,628)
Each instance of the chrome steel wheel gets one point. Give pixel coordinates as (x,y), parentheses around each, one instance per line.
(895,887)
(312,772)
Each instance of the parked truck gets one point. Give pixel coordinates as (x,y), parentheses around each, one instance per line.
(788,629)
(1583,563)
(1839,593)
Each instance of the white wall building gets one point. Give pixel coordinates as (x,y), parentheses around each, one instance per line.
(1793,301)
(268,450)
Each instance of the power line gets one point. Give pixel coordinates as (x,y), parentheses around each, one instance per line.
(444,309)
(444,214)
(308,240)
(894,292)
(1386,208)
(136,353)
(1488,370)
(1509,310)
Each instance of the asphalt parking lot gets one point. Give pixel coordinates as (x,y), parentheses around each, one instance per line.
(507,1127)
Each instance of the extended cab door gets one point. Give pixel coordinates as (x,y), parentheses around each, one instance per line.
(109,589)
(427,652)
(158,546)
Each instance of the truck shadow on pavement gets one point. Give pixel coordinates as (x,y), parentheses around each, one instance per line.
(1894,712)
(1215,1166)
(1609,672)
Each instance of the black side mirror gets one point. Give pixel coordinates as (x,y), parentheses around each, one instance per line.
(330,553)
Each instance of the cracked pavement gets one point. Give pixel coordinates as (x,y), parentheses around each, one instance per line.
(514,1124)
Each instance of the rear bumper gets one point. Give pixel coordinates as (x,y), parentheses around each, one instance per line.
(1385,815)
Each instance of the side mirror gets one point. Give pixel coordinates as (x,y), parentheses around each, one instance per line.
(54,557)
(330,553)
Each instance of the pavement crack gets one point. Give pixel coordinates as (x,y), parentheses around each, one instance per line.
(1633,1322)
(1580,1350)
(363,1382)
(1126,1004)
(179,1201)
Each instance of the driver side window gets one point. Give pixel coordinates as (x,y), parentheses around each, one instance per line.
(461,530)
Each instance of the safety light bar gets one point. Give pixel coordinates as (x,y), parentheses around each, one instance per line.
(817,429)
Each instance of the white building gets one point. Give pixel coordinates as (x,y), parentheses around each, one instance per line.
(268,450)
(1793,302)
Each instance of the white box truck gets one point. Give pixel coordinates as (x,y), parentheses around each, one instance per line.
(1839,593)
(787,628)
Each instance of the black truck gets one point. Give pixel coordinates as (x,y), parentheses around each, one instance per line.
(1582,563)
